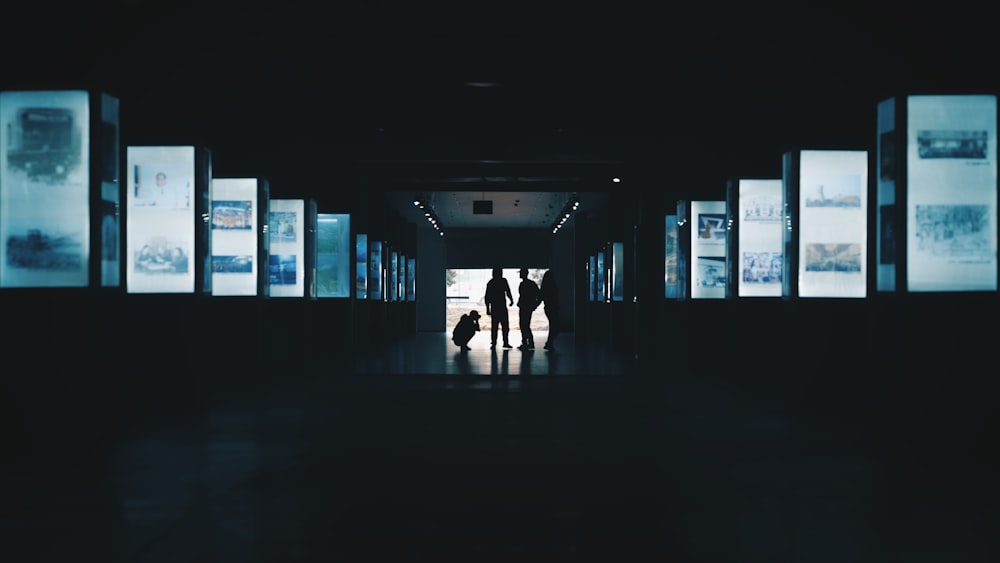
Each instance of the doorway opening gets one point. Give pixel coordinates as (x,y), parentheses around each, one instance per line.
(466,288)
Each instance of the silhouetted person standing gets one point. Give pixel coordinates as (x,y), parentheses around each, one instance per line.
(497,295)
(527,301)
(550,296)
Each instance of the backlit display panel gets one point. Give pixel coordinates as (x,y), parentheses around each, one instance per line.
(45,189)
(160,230)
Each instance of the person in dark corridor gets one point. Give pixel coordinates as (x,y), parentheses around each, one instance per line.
(549,293)
(466,328)
(497,295)
(527,301)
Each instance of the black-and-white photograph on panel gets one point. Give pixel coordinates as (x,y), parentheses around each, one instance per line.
(160,229)
(951,193)
(44,189)
(833,223)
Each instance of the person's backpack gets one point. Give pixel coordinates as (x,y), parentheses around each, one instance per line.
(531,296)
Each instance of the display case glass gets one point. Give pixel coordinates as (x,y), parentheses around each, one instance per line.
(832,223)
(333,264)
(951,193)
(45,189)
(286,264)
(235,258)
(760,216)
(708,250)
(161,219)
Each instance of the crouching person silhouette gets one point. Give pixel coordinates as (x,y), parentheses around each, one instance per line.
(466,328)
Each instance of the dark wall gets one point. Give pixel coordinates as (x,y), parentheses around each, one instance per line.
(500,248)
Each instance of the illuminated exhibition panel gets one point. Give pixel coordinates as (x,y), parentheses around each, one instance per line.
(286,231)
(617,274)
(411,279)
(393,280)
(237,210)
(950,193)
(671,247)
(401,281)
(161,230)
(760,219)
(45,196)
(708,250)
(375,271)
(333,255)
(601,276)
(832,222)
(361,266)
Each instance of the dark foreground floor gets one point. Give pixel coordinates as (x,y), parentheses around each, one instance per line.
(504,467)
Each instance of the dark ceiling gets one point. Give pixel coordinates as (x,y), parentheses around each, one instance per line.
(330,100)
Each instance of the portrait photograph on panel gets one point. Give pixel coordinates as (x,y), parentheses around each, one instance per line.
(162,185)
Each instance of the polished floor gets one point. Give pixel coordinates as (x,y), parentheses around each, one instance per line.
(427,455)
(434,353)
